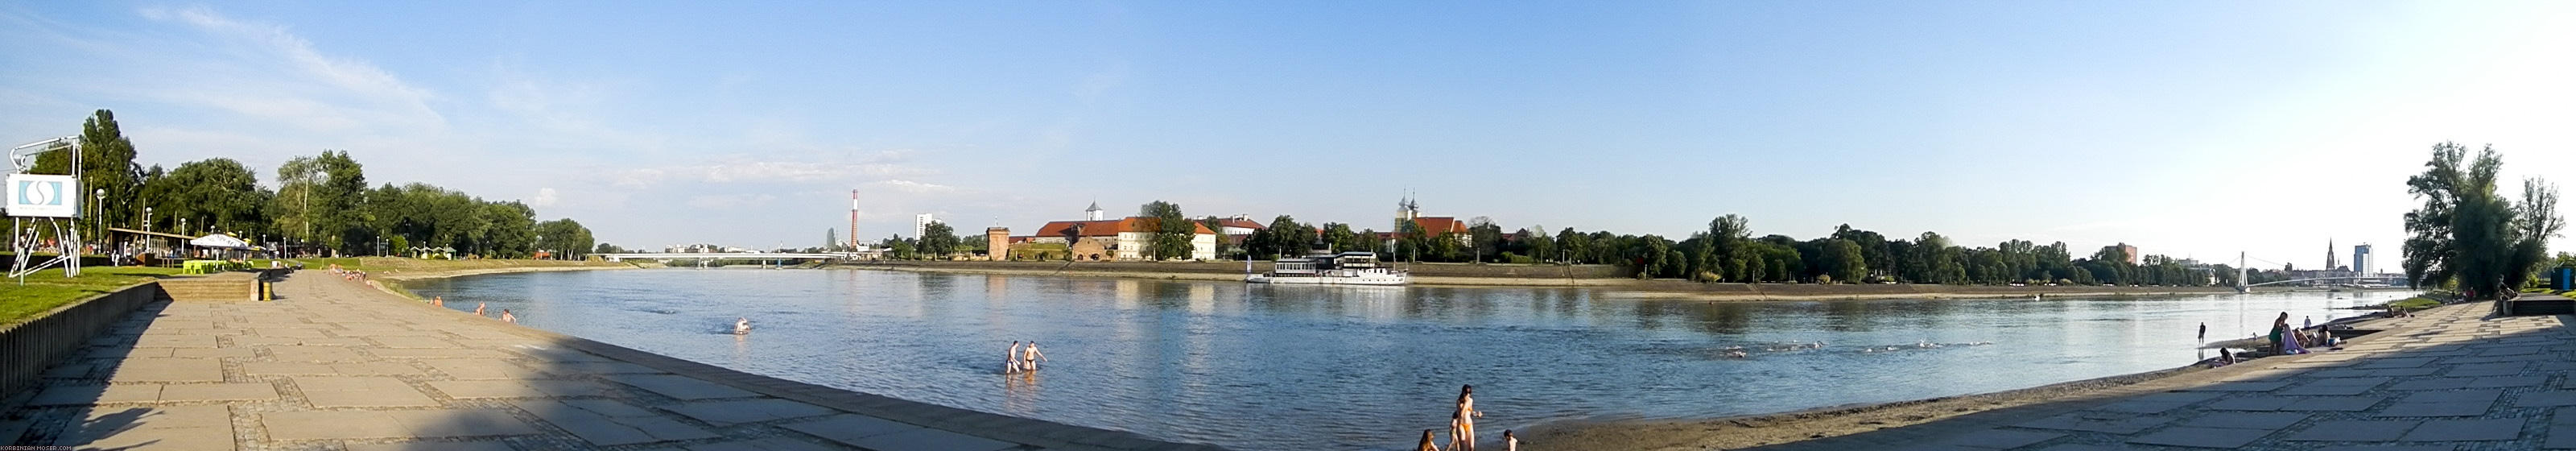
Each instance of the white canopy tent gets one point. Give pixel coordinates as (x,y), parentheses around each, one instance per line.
(219,241)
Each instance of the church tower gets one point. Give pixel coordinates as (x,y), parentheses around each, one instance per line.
(1094,212)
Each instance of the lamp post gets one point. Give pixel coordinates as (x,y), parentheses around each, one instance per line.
(147,219)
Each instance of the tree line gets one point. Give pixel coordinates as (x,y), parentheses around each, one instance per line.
(322,205)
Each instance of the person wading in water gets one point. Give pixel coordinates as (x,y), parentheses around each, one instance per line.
(1031,357)
(1011,364)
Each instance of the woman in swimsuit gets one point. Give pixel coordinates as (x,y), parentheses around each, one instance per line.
(1462,423)
(1426,442)
(1031,358)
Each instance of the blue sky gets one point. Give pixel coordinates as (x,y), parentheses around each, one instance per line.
(2186,128)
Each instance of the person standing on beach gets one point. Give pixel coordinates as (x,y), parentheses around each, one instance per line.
(1462,422)
(1011,364)
(506,317)
(2204,331)
(1032,356)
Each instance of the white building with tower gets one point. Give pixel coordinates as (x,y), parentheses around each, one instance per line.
(921,224)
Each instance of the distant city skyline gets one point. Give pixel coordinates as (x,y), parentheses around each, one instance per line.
(2193,130)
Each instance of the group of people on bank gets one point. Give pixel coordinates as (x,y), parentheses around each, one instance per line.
(1023,359)
(1462,427)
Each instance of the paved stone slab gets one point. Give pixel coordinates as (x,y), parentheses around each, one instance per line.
(433,446)
(2555,398)
(2199,437)
(2245,420)
(479,369)
(681,387)
(611,423)
(155,427)
(766,444)
(71,395)
(314,354)
(253,391)
(2439,383)
(2436,409)
(327,392)
(168,370)
(728,413)
(176,341)
(460,423)
(2355,430)
(2098,423)
(2325,390)
(536,388)
(931,439)
(2560,436)
(2466,430)
(848,428)
(209,353)
(2241,386)
(2508,381)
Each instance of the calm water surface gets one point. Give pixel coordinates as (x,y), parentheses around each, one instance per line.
(1264,367)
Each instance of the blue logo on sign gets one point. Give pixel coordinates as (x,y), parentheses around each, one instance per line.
(32,192)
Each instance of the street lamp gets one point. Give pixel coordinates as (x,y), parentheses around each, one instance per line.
(147,219)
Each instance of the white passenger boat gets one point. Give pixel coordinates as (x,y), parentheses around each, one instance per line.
(1347,268)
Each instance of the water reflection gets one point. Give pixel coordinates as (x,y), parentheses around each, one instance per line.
(1356,367)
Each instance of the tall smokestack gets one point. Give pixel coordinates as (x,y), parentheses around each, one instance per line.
(854,220)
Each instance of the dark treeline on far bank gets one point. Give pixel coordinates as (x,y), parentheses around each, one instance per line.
(322,205)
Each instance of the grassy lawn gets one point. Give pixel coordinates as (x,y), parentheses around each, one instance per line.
(2415,304)
(48,289)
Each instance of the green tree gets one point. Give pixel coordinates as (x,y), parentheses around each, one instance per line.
(2468,235)
(938,240)
(1172,230)
(322,201)
(107,164)
(215,194)
(570,238)
(510,232)
(2536,221)
(1844,260)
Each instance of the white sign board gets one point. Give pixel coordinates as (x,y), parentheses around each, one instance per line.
(48,196)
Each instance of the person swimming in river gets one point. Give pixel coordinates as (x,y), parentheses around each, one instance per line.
(506,317)
(741,326)
(478,309)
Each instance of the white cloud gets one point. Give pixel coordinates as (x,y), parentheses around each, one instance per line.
(306,87)
(913,187)
(545,198)
(731,200)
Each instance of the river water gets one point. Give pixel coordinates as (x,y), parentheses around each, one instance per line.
(1285,367)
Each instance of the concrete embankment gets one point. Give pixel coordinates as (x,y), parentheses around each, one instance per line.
(1508,275)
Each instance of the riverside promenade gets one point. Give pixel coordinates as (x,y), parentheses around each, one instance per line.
(2450,378)
(340,365)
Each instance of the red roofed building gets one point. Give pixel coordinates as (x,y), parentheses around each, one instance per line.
(1119,239)
(1431,226)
